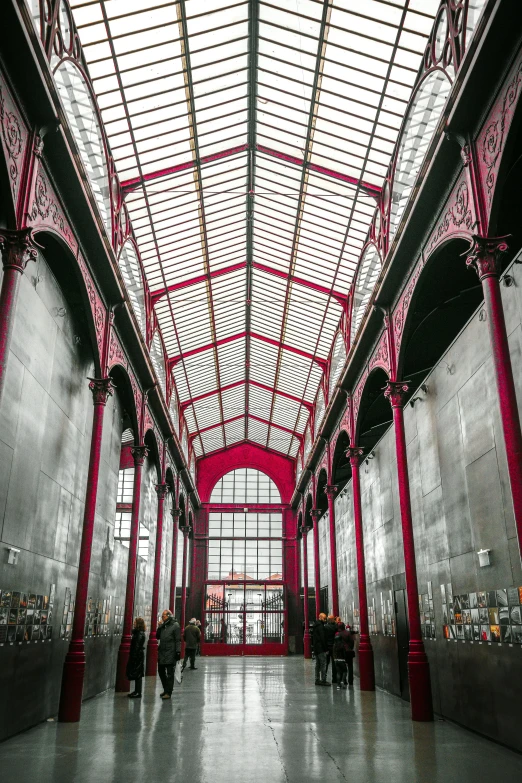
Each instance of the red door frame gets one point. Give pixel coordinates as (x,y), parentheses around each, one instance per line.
(265,648)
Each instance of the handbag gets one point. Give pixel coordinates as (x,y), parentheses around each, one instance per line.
(178,676)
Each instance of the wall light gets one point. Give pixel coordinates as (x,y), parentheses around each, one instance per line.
(12,557)
(483,556)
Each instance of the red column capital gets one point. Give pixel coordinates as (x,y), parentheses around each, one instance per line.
(139,453)
(101,389)
(18,248)
(355,455)
(395,392)
(315,513)
(331,489)
(176,513)
(485,255)
(161,490)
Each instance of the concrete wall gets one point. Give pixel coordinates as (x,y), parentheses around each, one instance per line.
(45,427)
(461,503)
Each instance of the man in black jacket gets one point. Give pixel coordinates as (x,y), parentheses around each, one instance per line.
(191,637)
(320,647)
(169,652)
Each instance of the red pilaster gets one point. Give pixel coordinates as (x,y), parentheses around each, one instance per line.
(366,667)
(330,492)
(315,514)
(307,642)
(18,248)
(485,256)
(152,646)
(176,513)
(74,665)
(122,684)
(418,665)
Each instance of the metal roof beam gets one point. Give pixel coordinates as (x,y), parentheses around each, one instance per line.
(321,289)
(294,434)
(173,360)
(226,270)
(187,403)
(371,190)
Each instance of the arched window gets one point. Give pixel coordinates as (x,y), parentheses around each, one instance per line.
(337,363)
(420,125)
(320,407)
(158,361)
(79,107)
(184,442)
(131,272)
(245,485)
(124,498)
(367,274)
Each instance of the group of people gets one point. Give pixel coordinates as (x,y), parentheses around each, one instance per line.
(333,642)
(168,634)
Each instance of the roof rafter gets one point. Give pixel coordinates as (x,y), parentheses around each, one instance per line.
(173,360)
(226,270)
(205,395)
(294,433)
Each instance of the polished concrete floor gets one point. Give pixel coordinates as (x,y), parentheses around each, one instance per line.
(253,720)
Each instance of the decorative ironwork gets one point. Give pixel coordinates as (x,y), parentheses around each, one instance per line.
(101,389)
(139,453)
(355,454)
(18,248)
(485,255)
(395,392)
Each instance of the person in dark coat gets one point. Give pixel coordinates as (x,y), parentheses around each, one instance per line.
(347,638)
(320,648)
(192,638)
(330,630)
(169,651)
(136,663)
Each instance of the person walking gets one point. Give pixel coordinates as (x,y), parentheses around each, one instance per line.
(330,630)
(169,637)
(320,648)
(136,663)
(191,637)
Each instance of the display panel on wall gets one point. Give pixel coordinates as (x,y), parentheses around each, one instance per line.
(493,616)
(26,616)
(427,614)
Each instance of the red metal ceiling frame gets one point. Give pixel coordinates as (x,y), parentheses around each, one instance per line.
(298,435)
(157,295)
(388,72)
(321,45)
(182,20)
(186,403)
(138,164)
(173,360)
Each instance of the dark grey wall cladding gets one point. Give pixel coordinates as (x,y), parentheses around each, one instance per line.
(461,503)
(45,426)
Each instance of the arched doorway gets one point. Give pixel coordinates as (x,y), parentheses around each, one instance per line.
(245,600)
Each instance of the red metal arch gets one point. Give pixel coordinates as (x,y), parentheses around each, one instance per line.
(360,391)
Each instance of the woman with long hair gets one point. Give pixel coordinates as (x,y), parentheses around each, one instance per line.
(136,662)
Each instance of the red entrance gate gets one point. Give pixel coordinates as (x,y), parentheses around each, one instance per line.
(244,618)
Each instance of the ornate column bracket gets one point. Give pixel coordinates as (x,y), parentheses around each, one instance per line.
(331,489)
(315,513)
(139,453)
(395,392)
(485,255)
(161,490)
(102,389)
(185,529)
(176,513)
(355,455)
(18,248)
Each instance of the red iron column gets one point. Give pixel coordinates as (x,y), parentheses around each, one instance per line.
(74,665)
(18,248)
(307,642)
(122,684)
(366,667)
(152,646)
(186,530)
(418,665)
(330,492)
(315,514)
(484,256)
(176,513)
